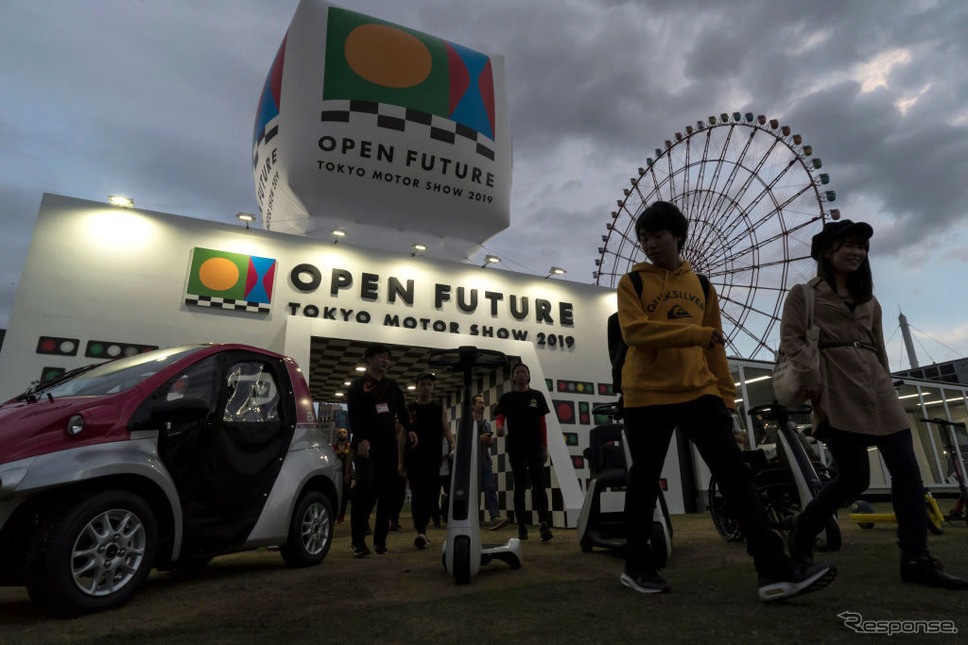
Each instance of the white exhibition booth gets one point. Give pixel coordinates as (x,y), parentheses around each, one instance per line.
(101,281)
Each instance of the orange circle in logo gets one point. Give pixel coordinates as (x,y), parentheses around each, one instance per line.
(387,56)
(218,274)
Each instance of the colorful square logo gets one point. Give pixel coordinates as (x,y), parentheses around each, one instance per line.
(368,59)
(230,280)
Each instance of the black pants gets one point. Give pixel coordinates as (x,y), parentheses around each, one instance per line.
(376,483)
(399,496)
(346,488)
(424,481)
(849,450)
(708,424)
(528,471)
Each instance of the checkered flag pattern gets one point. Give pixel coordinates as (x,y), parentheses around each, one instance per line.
(401,119)
(333,362)
(227,303)
(266,136)
(492,385)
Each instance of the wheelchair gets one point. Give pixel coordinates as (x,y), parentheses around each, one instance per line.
(786,482)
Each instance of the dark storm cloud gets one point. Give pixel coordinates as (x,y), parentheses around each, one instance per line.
(916,175)
(158,99)
(625,79)
(152,100)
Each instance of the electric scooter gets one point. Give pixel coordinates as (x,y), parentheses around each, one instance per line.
(863,514)
(463,553)
(957,459)
(607,456)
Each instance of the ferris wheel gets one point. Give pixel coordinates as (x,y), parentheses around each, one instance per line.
(754,195)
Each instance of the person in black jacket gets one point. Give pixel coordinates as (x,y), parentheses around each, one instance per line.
(423,462)
(521,413)
(375,403)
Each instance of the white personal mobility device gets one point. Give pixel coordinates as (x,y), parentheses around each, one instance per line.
(463,553)
(601,524)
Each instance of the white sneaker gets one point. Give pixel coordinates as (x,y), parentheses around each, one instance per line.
(798,580)
(421,541)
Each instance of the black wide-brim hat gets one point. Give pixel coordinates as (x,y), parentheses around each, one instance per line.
(837,230)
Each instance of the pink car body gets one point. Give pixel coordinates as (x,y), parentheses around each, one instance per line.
(160,460)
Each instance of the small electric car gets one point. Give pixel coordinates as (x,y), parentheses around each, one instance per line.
(159,460)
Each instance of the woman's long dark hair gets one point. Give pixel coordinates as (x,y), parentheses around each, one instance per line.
(859,283)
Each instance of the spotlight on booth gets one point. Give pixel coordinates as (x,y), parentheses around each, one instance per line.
(490,259)
(337,234)
(555,271)
(121,201)
(417,248)
(245,217)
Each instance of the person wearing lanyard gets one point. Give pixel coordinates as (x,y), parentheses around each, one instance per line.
(375,403)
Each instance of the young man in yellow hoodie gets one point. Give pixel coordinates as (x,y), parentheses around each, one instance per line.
(676,375)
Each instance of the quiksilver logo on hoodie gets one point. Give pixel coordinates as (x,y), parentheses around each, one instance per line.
(678,295)
(678,312)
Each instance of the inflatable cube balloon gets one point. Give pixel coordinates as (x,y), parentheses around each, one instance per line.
(385,132)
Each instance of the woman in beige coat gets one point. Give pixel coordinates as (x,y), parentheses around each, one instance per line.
(853,398)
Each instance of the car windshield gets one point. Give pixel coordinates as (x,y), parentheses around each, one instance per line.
(119,375)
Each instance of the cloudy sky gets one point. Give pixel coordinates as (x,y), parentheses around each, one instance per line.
(157,99)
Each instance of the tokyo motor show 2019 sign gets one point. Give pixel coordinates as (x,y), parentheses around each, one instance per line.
(374,127)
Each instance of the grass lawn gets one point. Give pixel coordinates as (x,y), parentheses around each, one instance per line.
(560,595)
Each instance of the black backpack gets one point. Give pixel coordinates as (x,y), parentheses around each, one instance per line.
(616,343)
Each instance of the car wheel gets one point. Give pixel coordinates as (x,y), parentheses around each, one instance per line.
(310,531)
(92,554)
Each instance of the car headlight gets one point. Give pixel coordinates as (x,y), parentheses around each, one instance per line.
(75,424)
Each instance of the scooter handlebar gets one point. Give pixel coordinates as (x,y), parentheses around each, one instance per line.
(607,409)
(774,411)
(466,356)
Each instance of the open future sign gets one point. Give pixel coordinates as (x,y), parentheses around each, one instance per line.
(374,128)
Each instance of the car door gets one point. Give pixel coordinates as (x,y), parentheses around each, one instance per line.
(183,409)
(241,453)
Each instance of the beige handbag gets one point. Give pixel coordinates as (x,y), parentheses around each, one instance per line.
(789,376)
